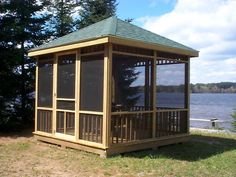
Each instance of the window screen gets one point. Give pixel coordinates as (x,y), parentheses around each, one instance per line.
(45,82)
(170,85)
(68,105)
(66,76)
(131,83)
(91,83)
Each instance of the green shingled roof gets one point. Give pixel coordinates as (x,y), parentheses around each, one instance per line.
(112,27)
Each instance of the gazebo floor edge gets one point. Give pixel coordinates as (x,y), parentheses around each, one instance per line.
(115,150)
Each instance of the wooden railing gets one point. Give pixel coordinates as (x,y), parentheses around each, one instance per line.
(138,125)
(119,108)
(90,127)
(131,127)
(44,121)
(171,122)
(66,122)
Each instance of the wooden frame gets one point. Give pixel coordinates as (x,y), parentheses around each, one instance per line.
(69,47)
(106,147)
(65,111)
(36,96)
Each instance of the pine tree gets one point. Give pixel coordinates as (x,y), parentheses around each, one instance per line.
(125,75)
(63,21)
(22,25)
(93,11)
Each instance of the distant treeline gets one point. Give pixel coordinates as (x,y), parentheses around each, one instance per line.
(222,87)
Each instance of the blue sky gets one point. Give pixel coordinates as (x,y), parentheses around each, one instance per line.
(208,26)
(139,8)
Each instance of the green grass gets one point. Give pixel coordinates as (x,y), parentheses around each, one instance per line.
(207,154)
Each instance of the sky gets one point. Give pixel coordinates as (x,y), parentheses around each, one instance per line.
(208,26)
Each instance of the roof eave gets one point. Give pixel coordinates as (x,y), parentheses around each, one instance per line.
(114,40)
(69,46)
(141,44)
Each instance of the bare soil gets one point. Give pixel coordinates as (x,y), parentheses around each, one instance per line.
(22,155)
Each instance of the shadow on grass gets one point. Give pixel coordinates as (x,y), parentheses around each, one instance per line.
(26,133)
(199,147)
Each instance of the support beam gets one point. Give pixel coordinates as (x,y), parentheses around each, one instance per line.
(107,95)
(147,86)
(77,93)
(54,103)
(187,92)
(36,96)
(154,97)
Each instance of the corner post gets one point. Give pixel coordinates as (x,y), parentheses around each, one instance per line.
(54,102)
(154,69)
(36,96)
(107,94)
(77,93)
(187,93)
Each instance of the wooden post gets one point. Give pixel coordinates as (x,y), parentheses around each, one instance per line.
(187,92)
(77,93)
(54,103)
(107,94)
(154,70)
(64,122)
(36,96)
(146,86)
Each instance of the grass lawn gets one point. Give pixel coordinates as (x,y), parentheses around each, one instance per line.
(207,154)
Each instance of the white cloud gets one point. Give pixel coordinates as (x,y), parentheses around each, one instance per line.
(208,26)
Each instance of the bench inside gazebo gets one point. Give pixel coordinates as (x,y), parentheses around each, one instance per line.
(112,87)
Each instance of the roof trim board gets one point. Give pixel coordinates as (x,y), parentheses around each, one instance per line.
(91,42)
(158,47)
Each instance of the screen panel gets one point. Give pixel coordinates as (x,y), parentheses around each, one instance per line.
(170,80)
(45,82)
(66,76)
(67,105)
(91,83)
(131,83)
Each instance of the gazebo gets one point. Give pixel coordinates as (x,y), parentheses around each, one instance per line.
(112,87)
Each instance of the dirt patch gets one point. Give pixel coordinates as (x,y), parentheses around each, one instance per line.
(22,155)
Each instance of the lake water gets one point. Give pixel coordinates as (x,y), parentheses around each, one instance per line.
(202,106)
(212,105)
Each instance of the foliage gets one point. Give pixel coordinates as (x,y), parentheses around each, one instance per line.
(62,21)
(125,75)
(28,23)
(234,120)
(95,10)
(129,20)
(222,87)
(22,27)
(170,89)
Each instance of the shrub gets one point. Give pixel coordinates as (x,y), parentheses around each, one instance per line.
(234,120)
